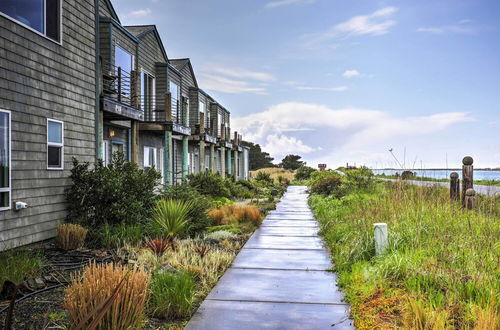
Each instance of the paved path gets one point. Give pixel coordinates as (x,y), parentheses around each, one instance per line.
(480,189)
(278,280)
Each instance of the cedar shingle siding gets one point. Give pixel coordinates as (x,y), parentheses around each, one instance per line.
(39,80)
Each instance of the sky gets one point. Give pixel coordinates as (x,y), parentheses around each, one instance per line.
(345,81)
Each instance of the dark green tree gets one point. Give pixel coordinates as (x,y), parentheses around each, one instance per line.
(292,162)
(257,158)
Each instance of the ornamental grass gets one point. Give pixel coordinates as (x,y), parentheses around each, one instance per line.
(71,236)
(107,297)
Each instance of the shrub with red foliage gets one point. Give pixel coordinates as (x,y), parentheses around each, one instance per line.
(158,246)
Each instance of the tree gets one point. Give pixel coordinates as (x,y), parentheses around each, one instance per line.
(292,162)
(257,158)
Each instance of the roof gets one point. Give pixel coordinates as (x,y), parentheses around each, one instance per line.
(111,10)
(180,64)
(140,31)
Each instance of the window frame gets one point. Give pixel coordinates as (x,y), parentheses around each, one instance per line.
(105,152)
(54,144)
(177,99)
(8,189)
(153,91)
(60,41)
(155,157)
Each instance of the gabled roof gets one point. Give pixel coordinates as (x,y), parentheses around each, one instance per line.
(180,64)
(111,10)
(139,31)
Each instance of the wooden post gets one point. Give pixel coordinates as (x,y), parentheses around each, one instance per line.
(381,237)
(454,187)
(467,176)
(202,123)
(134,91)
(168,107)
(134,141)
(470,199)
(222,132)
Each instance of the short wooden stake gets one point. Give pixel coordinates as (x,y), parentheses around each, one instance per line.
(470,199)
(381,237)
(467,176)
(454,187)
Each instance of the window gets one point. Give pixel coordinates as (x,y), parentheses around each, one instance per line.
(219,123)
(5,188)
(147,93)
(105,153)
(124,64)
(42,16)
(174,93)
(150,159)
(203,110)
(55,144)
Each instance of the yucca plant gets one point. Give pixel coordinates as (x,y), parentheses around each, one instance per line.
(170,217)
(70,236)
(158,246)
(107,297)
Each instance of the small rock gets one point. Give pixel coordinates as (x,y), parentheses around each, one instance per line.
(39,282)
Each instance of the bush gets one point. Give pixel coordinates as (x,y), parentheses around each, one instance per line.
(158,246)
(209,184)
(70,236)
(117,236)
(114,194)
(198,219)
(218,236)
(170,217)
(221,201)
(407,175)
(232,214)
(247,213)
(264,177)
(327,186)
(87,294)
(317,176)
(358,179)
(304,173)
(171,295)
(230,228)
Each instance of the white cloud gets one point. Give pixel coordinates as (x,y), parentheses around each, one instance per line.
(242,73)
(227,85)
(139,13)
(461,27)
(375,24)
(350,73)
(304,128)
(324,89)
(280,3)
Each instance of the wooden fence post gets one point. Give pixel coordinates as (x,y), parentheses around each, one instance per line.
(381,237)
(467,176)
(454,187)
(470,199)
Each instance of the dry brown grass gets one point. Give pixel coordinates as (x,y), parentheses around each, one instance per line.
(274,172)
(234,214)
(71,236)
(97,284)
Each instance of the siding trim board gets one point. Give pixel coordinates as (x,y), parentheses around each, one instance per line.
(8,189)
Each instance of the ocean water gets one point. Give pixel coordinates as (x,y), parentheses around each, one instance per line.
(445,174)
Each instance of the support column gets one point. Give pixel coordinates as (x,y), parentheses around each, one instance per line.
(134,142)
(228,163)
(100,136)
(185,155)
(223,162)
(236,164)
(202,156)
(167,158)
(213,167)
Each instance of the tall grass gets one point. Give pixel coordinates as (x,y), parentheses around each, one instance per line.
(441,267)
(171,295)
(16,265)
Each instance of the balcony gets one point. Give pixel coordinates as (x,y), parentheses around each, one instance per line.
(119,90)
(160,115)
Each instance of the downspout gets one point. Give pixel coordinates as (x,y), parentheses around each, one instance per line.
(98,129)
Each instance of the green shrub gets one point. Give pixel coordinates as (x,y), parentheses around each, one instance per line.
(209,184)
(218,236)
(238,190)
(198,219)
(408,175)
(230,228)
(317,176)
(221,201)
(113,194)
(264,177)
(327,186)
(171,295)
(15,265)
(304,173)
(117,236)
(358,179)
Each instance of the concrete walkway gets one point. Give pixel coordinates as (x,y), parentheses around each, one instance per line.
(279,278)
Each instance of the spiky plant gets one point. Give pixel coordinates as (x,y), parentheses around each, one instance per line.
(158,246)
(170,217)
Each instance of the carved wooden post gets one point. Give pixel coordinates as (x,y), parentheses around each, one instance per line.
(168,106)
(470,199)
(467,176)
(454,187)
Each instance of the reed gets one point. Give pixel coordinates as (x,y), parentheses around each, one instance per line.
(71,236)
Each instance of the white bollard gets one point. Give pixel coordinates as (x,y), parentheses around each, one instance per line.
(381,237)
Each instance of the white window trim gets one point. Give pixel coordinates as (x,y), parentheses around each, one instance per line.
(105,152)
(9,189)
(153,88)
(55,145)
(155,157)
(60,42)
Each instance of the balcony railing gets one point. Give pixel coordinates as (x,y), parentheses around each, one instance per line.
(119,85)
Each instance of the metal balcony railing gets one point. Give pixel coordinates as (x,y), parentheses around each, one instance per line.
(119,85)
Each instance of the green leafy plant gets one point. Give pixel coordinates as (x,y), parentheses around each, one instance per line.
(327,186)
(221,201)
(118,193)
(264,177)
(171,294)
(209,184)
(304,173)
(171,217)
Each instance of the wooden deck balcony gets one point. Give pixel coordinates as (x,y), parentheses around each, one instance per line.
(160,115)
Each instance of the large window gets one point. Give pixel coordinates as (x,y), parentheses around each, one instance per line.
(150,158)
(219,123)
(43,16)
(174,93)
(147,93)
(124,64)
(55,144)
(5,188)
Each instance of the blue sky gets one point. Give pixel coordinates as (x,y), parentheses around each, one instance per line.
(341,81)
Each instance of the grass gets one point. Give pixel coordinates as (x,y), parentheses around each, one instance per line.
(441,269)
(171,295)
(16,265)
(274,172)
(423,178)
